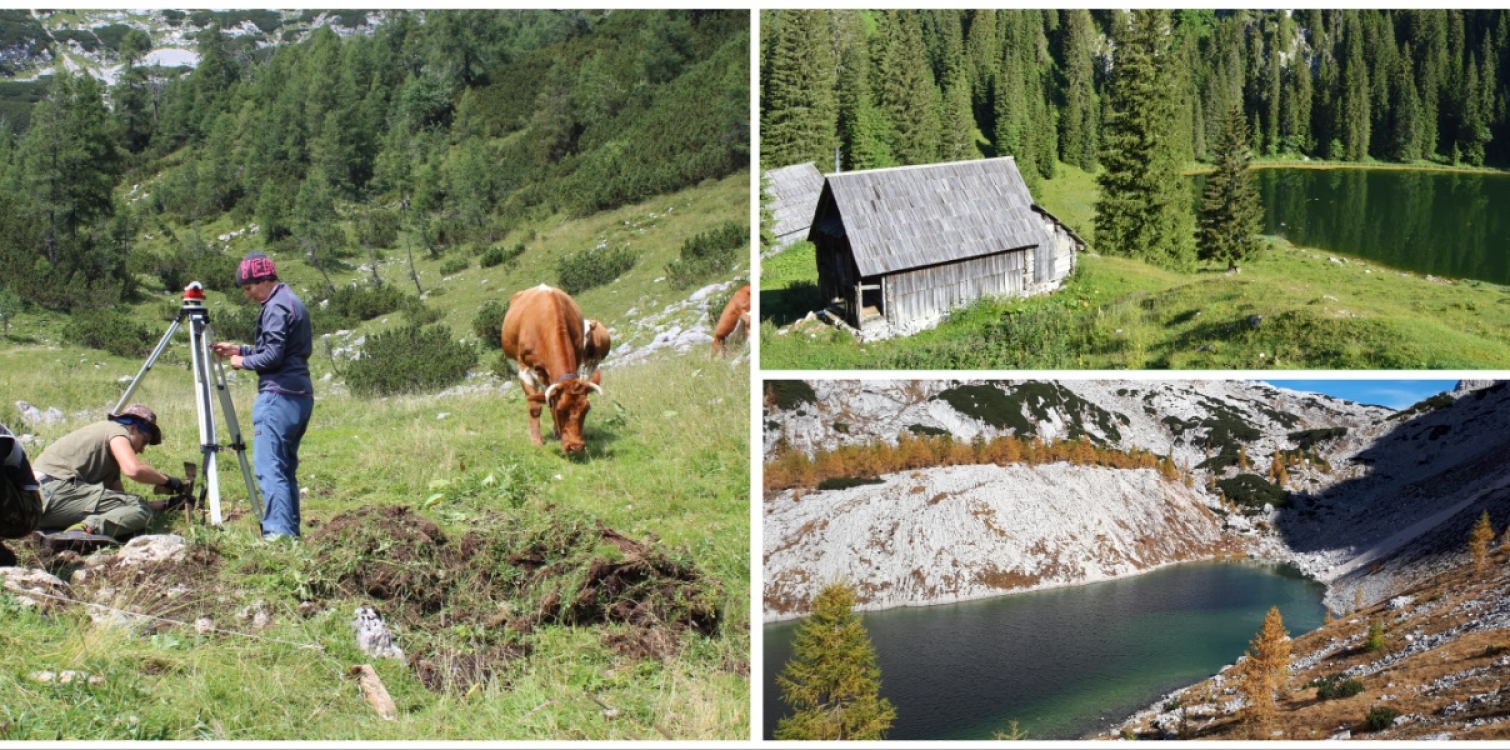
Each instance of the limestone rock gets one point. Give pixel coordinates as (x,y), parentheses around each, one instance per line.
(33,587)
(373,636)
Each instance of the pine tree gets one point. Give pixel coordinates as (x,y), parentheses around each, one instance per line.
(1231,212)
(1265,669)
(67,165)
(1144,209)
(832,681)
(799,108)
(1478,543)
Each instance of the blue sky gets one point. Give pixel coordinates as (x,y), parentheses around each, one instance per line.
(1396,394)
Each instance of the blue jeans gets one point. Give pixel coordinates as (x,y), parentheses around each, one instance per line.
(278,424)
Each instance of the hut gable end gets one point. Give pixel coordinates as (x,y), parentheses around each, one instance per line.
(793,193)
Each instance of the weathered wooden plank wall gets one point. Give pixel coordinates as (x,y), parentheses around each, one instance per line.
(929,293)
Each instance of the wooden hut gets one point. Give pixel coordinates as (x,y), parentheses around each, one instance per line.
(899,248)
(793,193)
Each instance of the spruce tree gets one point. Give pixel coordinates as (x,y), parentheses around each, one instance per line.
(1231,212)
(799,113)
(1405,111)
(1144,208)
(1078,123)
(1354,104)
(1295,108)
(908,95)
(863,128)
(832,681)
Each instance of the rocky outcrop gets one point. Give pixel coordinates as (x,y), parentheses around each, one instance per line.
(969,532)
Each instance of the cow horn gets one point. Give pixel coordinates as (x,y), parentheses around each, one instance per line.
(550,390)
(595,387)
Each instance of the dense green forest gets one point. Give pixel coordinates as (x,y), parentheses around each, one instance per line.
(444,127)
(915,86)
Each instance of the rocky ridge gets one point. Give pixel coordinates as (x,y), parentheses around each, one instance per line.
(1383,499)
(54,42)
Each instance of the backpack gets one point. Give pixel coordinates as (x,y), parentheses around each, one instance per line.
(20,500)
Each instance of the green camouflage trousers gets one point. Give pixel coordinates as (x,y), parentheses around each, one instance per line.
(69,502)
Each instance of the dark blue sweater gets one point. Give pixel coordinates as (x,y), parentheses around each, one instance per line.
(280,349)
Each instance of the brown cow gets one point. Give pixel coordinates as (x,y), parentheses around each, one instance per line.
(735,313)
(595,347)
(544,334)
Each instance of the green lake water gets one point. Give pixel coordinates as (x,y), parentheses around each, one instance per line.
(1065,662)
(1445,223)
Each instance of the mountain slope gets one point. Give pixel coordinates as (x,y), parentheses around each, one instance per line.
(1378,499)
(968,532)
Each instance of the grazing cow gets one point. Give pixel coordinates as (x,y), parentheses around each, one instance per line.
(735,313)
(595,347)
(544,333)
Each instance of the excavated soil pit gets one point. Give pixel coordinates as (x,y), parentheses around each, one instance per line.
(506,577)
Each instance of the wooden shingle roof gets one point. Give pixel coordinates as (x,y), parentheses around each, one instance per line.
(794,196)
(907,217)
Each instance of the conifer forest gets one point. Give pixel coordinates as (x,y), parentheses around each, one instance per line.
(898,87)
(446,126)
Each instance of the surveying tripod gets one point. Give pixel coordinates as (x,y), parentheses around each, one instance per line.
(207,372)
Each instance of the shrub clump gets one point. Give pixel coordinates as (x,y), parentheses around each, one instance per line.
(488,325)
(365,302)
(789,394)
(498,255)
(110,331)
(1334,686)
(844,483)
(410,359)
(1254,491)
(708,254)
(1380,718)
(455,265)
(194,260)
(594,267)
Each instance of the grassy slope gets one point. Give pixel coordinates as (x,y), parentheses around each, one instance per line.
(1119,313)
(672,469)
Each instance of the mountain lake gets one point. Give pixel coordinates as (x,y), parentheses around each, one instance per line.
(1441,222)
(1066,662)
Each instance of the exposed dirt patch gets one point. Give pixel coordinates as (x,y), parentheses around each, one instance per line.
(386,553)
(463,610)
(469,606)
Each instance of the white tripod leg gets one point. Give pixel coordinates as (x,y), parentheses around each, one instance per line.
(151,360)
(228,408)
(200,352)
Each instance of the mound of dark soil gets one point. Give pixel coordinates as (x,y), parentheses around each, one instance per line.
(467,609)
(386,553)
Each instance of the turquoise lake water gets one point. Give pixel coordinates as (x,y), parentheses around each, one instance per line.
(1065,662)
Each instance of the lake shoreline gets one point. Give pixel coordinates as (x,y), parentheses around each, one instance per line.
(778,618)
(1326,165)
